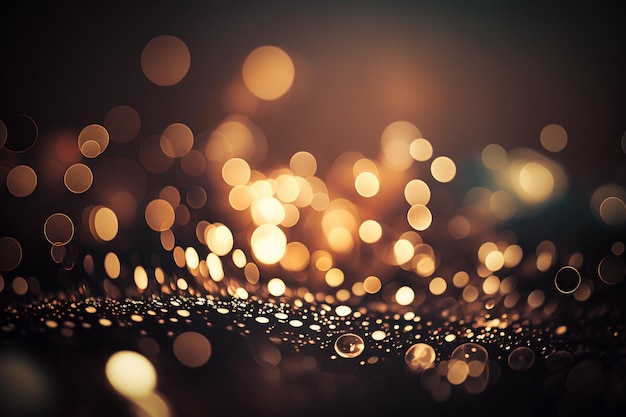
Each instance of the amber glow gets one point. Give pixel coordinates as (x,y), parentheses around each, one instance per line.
(268,72)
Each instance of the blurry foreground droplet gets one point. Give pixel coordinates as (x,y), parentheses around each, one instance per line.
(420,357)
(349,345)
(521,358)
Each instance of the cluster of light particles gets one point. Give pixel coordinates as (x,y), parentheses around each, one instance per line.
(379,258)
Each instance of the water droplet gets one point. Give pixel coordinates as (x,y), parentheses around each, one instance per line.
(420,357)
(349,345)
(521,358)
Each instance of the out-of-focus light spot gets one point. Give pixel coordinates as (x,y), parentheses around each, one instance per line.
(140,276)
(611,269)
(21,181)
(196,197)
(470,294)
(553,138)
(287,188)
(405,296)
(122,123)
(267,210)
(421,149)
(458,371)
(219,239)
(154,405)
(168,240)
(437,286)
(18,133)
(494,261)
(334,277)
(370,231)
(240,197)
(25,388)
(491,285)
(236,171)
(176,140)
(236,137)
(343,310)
(78,178)
(419,217)
(239,258)
(165,60)
(521,358)
(546,253)
(460,279)
(276,287)
(58,229)
(420,357)
(379,335)
(131,374)
(372,284)
(494,156)
(534,183)
(349,345)
(617,248)
(191,258)
(367,184)
(10,253)
(513,255)
(340,239)
(502,205)
(403,251)
(112,265)
(417,192)
(459,227)
(159,215)
(19,286)
(268,244)
(216,269)
(613,211)
(303,163)
(443,169)
(395,143)
(89,137)
(105,223)
(296,257)
(567,279)
(536,298)
(192,349)
(583,292)
(268,72)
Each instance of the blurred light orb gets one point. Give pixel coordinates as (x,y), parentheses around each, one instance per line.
(131,374)
(165,60)
(21,181)
(159,215)
(536,182)
(192,349)
(553,137)
(269,244)
(268,72)
(443,169)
